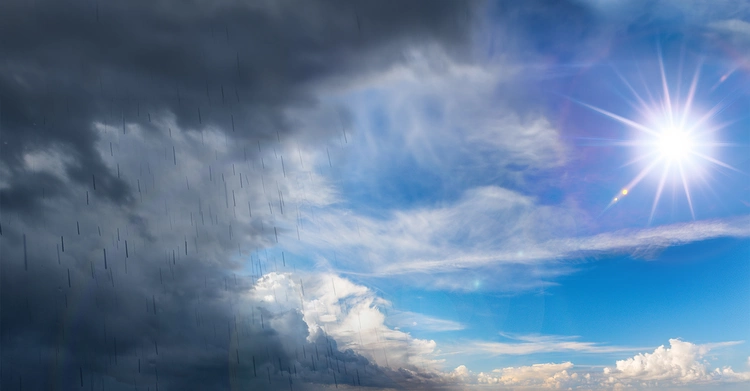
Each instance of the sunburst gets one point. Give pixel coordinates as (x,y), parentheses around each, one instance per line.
(673,138)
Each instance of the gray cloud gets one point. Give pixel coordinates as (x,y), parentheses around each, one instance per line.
(144,131)
(233,65)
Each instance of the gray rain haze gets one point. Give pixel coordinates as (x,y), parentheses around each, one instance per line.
(141,167)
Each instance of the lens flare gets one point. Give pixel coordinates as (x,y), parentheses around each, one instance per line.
(672,137)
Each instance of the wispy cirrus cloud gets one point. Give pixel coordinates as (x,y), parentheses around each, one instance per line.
(519,345)
(487,227)
(630,241)
(453,123)
(415,321)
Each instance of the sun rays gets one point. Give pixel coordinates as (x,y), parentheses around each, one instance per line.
(673,139)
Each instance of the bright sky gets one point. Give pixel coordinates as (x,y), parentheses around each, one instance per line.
(577,199)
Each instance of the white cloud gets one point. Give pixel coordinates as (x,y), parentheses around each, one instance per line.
(351,314)
(633,241)
(549,375)
(468,233)
(531,344)
(729,375)
(412,320)
(682,363)
(659,237)
(487,226)
(536,376)
(438,114)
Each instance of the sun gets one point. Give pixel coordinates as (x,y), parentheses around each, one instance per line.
(675,144)
(673,139)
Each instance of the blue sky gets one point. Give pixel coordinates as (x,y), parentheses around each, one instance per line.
(516,124)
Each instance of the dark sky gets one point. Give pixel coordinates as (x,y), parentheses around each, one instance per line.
(116,270)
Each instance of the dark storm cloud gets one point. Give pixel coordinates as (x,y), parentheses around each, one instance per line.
(232,64)
(124,267)
(26,190)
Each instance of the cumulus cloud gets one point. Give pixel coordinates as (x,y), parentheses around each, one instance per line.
(536,376)
(345,331)
(549,375)
(681,363)
(350,314)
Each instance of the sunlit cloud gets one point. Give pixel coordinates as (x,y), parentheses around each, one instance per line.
(681,363)
(351,314)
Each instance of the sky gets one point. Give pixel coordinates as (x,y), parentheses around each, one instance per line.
(419,195)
